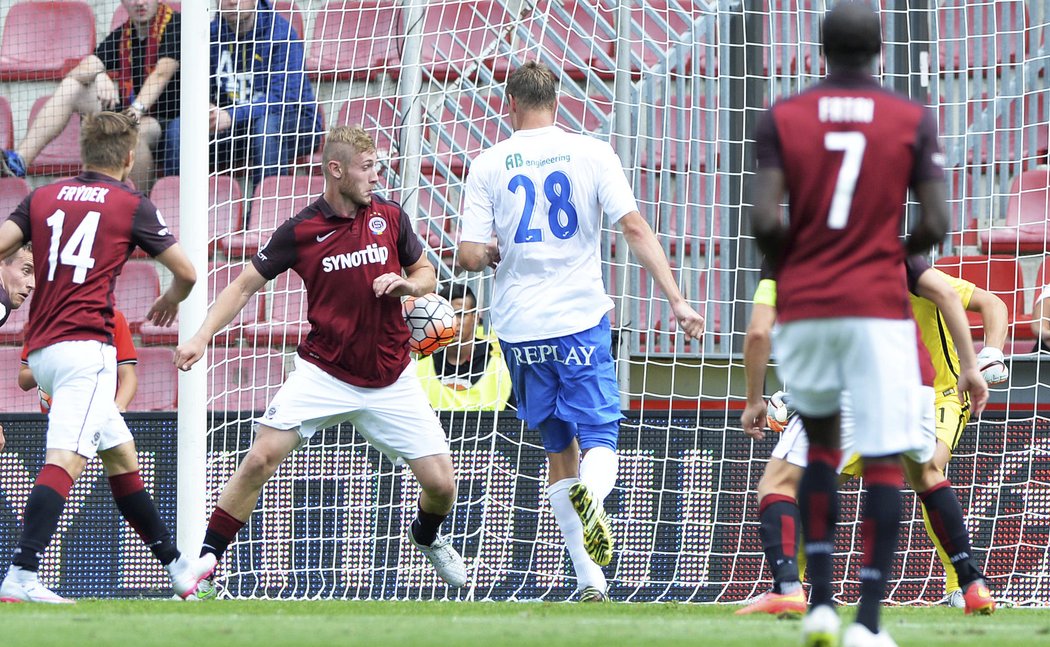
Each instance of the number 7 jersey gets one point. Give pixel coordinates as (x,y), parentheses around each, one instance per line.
(542,193)
(83,230)
(849,150)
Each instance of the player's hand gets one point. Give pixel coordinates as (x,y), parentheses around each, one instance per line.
(992,364)
(970,381)
(187,354)
(753,420)
(3,441)
(219,120)
(163,311)
(392,285)
(492,248)
(107,91)
(689,321)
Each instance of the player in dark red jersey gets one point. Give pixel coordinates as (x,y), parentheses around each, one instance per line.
(16,283)
(357,255)
(846,152)
(83,230)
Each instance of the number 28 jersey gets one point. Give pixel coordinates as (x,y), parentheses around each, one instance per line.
(542,193)
(83,231)
(849,150)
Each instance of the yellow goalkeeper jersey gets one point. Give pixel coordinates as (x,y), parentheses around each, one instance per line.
(935,333)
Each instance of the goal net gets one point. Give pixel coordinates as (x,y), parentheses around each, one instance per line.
(675,86)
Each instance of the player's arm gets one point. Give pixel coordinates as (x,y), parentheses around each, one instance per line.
(420,278)
(11,238)
(183,278)
(127,385)
(995,317)
(758,344)
(475,257)
(230,301)
(642,241)
(933,218)
(943,295)
(26,380)
(766,224)
(155,83)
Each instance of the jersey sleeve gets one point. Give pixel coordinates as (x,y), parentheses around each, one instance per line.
(614,191)
(126,353)
(915,266)
(929,159)
(20,216)
(476,221)
(148,229)
(108,51)
(279,253)
(409,247)
(25,354)
(767,142)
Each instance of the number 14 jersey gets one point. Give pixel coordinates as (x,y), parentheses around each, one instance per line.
(849,150)
(542,193)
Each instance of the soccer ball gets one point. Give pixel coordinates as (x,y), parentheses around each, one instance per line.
(431,322)
(777,412)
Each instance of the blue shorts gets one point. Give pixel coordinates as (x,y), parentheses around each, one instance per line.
(566,387)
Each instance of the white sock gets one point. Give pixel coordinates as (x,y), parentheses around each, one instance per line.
(587,572)
(598,471)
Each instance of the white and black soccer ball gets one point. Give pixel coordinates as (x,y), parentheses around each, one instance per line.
(431,322)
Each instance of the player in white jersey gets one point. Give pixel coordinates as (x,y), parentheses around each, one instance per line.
(541,194)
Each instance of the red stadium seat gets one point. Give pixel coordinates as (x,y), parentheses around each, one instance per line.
(379,116)
(590,115)
(286,324)
(62,155)
(244,379)
(978,36)
(7,125)
(464,132)
(563,29)
(12,398)
(220,274)
(12,191)
(678,135)
(277,198)
(460,35)
(1000,275)
(674,221)
(1027,228)
(158,380)
(355,40)
(225,202)
(28,54)
(138,287)
(120,16)
(655,31)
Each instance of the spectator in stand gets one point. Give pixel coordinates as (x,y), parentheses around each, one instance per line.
(1041,321)
(135,69)
(127,376)
(262,104)
(469,374)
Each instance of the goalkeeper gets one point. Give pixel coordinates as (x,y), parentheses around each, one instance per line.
(776,490)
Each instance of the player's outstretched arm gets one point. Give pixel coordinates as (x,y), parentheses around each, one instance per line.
(474,257)
(183,279)
(420,278)
(10,238)
(230,301)
(642,241)
(933,219)
(758,344)
(995,317)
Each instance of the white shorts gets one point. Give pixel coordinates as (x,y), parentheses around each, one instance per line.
(793,445)
(81,377)
(397,420)
(876,360)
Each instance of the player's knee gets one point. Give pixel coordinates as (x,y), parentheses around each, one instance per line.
(441,491)
(260,463)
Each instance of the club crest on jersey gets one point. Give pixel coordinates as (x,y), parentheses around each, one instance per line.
(377,225)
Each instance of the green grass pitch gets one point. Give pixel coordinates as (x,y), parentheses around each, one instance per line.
(146,623)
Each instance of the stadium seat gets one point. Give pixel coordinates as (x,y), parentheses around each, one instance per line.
(220,274)
(277,198)
(62,155)
(436,210)
(379,117)
(158,380)
(225,202)
(1000,275)
(28,54)
(7,125)
(120,16)
(243,379)
(979,36)
(673,221)
(655,31)
(1027,228)
(464,131)
(286,324)
(461,34)
(355,40)
(13,332)
(12,191)
(679,137)
(137,288)
(566,29)
(591,115)
(12,398)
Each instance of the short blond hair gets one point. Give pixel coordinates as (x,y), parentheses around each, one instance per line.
(353,136)
(106,138)
(533,86)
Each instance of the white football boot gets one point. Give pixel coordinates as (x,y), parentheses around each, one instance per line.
(820,627)
(444,558)
(24,586)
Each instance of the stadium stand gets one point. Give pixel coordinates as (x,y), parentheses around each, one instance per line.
(1027,226)
(286,323)
(7,126)
(1002,276)
(462,34)
(12,191)
(379,116)
(355,40)
(12,398)
(276,199)
(62,155)
(591,115)
(656,27)
(563,30)
(137,288)
(224,210)
(249,378)
(980,37)
(26,57)
(158,380)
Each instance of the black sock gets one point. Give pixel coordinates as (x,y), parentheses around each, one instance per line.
(135,504)
(44,507)
(222,528)
(781,525)
(818,505)
(881,524)
(946,517)
(425,527)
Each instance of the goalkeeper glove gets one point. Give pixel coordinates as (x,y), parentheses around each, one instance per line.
(776,412)
(992,366)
